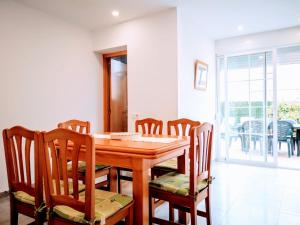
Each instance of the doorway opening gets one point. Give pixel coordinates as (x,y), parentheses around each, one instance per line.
(115,92)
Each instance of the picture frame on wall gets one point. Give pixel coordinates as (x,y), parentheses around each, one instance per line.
(201,73)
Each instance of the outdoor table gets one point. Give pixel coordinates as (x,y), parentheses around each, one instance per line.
(296,128)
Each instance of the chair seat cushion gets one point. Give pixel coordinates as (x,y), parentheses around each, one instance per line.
(81,187)
(106,204)
(29,199)
(82,166)
(169,164)
(24,197)
(176,183)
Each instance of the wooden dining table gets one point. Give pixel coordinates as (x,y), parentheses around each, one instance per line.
(140,156)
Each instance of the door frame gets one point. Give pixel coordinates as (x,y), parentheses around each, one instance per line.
(106,86)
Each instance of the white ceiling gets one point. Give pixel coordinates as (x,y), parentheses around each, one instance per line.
(93,14)
(217,18)
(220,18)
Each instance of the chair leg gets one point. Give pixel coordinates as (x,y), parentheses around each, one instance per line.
(207,207)
(14,216)
(39,219)
(119,181)
(50,219)
(129,217)
(151,209)
(108,181)
(194,214)
(152,174)
(153,206)
(171,212)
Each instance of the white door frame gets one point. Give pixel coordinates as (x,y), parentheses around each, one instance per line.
(218,113)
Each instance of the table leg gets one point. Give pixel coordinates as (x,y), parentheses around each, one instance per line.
(113,179)
(182,162)
(141,196)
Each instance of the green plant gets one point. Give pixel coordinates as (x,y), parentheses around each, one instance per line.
(286,111)
(290,111)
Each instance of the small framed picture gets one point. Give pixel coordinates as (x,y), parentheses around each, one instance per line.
(201,70)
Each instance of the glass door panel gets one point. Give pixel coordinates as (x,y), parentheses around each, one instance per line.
(221,124)
(288,104)
(246,109)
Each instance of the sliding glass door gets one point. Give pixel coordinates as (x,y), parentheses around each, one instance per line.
(245,107)
(288,105)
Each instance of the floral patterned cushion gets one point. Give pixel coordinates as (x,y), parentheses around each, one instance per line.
(176,183)
(106,204)
(82,166)
(169,164)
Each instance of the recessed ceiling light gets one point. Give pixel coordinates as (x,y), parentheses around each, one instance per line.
(115,13)
(240,28)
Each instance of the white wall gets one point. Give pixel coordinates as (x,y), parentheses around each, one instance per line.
(48,72)
(152,63)
(259,41)
(194,44)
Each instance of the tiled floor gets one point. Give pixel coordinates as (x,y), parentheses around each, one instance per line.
(244,195)
(241,195)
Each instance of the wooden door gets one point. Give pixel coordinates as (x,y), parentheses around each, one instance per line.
(115,92)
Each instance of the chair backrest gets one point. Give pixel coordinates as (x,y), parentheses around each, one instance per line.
(200,156)
(284,129)
(21,148)
(182,127)
(149,126)
(256,126)
(291,121)
(58,147)
(76,125)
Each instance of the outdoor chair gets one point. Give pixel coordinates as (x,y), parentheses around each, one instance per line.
(284,134)
(252,131)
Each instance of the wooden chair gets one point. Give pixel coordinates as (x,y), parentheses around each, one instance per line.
(21,147)
(179,127)
(149,126)
(185,192)
(67,205)
(84,127)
